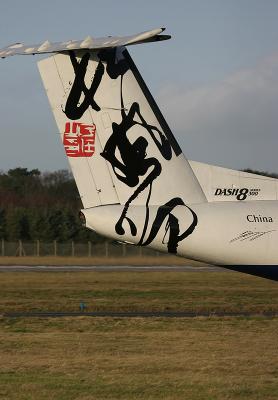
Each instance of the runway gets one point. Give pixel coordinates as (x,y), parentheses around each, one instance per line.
(108,268)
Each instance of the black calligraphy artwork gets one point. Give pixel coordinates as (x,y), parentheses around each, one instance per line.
(172,225)
(74,110)
(128,157)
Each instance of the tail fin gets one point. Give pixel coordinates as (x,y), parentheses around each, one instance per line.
(119,146)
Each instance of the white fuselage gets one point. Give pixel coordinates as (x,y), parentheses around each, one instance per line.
(226,233)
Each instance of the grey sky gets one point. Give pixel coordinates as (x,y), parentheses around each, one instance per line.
(216,80)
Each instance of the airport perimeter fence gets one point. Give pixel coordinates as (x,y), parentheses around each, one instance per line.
(72,249)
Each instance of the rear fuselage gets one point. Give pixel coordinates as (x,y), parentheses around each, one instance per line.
(222,233)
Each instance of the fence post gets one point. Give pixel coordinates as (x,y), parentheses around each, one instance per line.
(38,248)
(124,249)
(2,247)
(20,248)
(55,248)
(72,248)
(89,249)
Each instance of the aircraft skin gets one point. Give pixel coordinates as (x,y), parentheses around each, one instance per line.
(135,184)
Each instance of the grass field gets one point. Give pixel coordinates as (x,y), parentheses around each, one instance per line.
(136,291)
(135,358)
(101,260)
(85,358)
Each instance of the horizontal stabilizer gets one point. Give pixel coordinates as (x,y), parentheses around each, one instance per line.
(89,43)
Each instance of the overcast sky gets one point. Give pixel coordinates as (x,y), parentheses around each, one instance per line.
(216,80)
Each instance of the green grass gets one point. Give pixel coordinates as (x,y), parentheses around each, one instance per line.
(136,291)
(89,358)
(102,358)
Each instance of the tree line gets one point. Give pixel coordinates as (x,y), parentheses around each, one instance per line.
(41,206)
(45,206)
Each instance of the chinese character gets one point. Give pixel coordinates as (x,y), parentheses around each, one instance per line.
(79,139)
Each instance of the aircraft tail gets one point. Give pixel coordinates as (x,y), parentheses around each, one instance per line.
(119,146)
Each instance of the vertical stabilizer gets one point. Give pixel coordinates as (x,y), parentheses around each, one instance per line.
(119,146)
